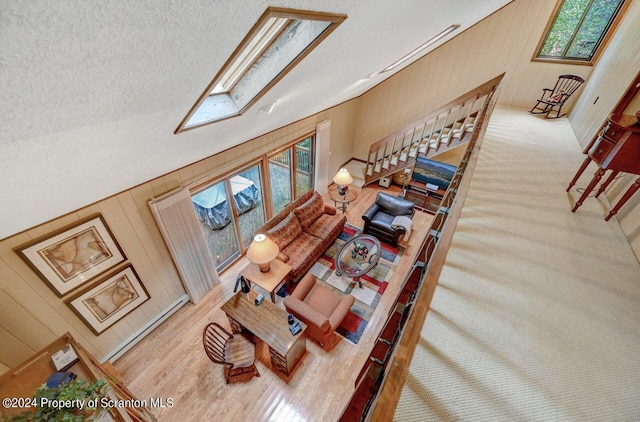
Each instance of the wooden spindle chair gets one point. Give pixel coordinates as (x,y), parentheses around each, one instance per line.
(553,99)
(234,352)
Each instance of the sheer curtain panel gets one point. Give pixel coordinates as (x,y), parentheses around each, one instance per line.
(181,231)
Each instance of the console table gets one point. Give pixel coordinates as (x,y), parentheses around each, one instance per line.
(268,323)
(425,199)
(616,148)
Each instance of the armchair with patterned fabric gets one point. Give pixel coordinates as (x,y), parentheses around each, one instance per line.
(379,218)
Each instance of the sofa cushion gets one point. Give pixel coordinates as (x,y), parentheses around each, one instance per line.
(323,300)
(326,226)
(310,211)
(302,251)
(285,232)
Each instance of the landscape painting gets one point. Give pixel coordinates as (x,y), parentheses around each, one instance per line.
(70,257)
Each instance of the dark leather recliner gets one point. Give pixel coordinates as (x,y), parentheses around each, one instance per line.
(378,218)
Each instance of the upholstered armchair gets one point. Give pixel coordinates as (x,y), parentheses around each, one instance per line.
(322,309)
(379,218)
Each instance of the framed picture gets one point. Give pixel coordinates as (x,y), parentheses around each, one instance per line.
(110,299)
(72,256)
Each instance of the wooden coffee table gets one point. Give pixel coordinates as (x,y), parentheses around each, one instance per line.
(271,280)
(269,323)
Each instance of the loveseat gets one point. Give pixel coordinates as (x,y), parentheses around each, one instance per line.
(322,309)
(303,231)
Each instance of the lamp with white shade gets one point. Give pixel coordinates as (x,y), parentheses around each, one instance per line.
(262,251)
(343,179)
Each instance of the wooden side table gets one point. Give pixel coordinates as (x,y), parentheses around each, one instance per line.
(271,280)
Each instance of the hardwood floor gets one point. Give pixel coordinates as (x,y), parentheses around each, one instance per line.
(171,363)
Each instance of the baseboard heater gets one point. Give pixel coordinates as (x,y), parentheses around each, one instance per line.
(144,331)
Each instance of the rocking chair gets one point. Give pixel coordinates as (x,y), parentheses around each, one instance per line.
(556,97)
(234,352)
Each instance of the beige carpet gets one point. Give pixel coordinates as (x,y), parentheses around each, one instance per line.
(537,314)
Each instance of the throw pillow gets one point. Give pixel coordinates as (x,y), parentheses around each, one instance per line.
(310,211)
(285,231)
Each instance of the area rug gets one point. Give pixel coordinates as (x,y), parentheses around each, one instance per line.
(374,283)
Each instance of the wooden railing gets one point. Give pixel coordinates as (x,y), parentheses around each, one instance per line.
(379,383)
(441,130)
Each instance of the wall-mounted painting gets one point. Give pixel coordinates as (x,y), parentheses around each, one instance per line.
(72,256)
(110,299)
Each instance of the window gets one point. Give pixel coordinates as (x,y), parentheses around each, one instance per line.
(577,29)
(279,40)
(291,173)
(231,208)
(227,226)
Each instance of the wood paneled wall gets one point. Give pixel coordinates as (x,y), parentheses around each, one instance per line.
(617,67)
(32,316)
(503,42)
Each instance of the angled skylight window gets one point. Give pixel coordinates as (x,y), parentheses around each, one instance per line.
(280,39)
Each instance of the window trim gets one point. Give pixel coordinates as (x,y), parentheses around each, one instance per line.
(596,55)
(270,12)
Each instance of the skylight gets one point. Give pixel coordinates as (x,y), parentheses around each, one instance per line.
(280,39)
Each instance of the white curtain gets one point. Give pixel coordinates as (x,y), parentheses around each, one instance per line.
(323,142)
(179,226)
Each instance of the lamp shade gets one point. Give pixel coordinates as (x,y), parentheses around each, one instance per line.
(262,251)
(342,177)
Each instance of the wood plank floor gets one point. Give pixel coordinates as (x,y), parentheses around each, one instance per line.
(171,363)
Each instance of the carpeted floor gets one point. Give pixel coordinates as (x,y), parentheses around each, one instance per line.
(537,313)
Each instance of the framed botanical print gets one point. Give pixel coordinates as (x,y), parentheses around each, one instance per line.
(72,256)
(110,299)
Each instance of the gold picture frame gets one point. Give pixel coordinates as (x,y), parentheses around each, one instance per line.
(74,255)
(109,300)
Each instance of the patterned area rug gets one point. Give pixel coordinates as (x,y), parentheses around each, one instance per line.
(374,283)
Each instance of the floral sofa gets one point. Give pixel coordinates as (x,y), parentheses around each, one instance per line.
(303,231)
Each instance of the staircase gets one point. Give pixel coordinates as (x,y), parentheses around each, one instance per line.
(439,131)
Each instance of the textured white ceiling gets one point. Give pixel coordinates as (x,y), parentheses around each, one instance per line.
(91,91)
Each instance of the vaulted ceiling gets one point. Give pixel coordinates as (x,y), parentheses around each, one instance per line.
(91,92)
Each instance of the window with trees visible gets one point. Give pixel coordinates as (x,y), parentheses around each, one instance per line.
(577,29)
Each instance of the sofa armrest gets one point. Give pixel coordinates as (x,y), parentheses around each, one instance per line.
(282,257)
(341,311)
(304,286)
(306,313)
(330,209)
(368,214)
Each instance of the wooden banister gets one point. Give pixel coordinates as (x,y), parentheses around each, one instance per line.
(386,377)
(438,131)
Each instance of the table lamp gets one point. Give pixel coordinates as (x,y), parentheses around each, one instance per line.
(262,251)
(343,179)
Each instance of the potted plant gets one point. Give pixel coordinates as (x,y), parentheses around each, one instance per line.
(74,401)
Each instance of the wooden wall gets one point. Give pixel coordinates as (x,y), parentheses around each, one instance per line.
(503,42)
(32,316)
